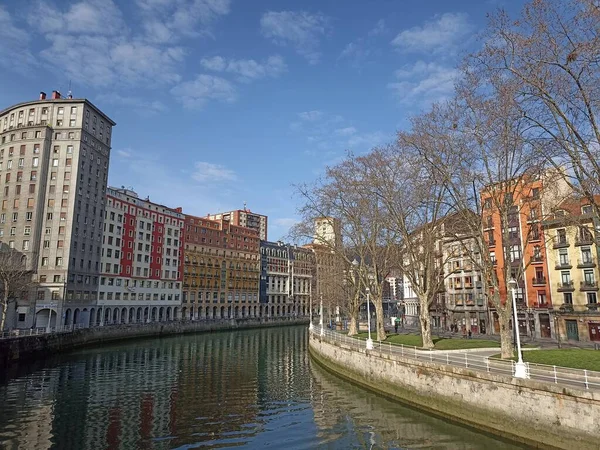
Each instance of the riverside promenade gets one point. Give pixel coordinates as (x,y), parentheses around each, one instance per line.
(555,407)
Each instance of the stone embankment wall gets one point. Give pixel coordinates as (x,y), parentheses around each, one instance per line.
(544,415)
(29,347)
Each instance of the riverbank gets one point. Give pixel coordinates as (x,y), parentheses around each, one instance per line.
(528,411)
(37,346)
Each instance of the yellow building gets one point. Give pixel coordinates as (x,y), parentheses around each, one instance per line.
(572,258)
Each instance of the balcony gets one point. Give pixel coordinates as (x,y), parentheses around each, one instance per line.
(538,281)
(588,285)
(586,262)
(566,307)
(566,286)
(584,240)
(563,265)
(592,306)
(561,242)
(537,259)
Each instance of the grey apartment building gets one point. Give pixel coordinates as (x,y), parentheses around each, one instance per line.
(54,156)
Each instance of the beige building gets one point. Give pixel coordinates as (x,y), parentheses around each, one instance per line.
(54,156)
(573,270)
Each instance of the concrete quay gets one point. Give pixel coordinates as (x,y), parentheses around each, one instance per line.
(540,414)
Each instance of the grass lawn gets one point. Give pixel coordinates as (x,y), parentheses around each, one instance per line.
(440,343)
(576,358)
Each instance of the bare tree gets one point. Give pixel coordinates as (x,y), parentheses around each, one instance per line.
(495,179)
(551,53)
(342,194)
(15,279)
(415,211)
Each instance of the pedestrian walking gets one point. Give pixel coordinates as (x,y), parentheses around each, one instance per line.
(396,326)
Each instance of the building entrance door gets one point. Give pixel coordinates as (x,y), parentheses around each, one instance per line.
(572,330)
(594,331)
(545,325)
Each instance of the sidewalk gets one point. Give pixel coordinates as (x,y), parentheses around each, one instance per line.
(545,343)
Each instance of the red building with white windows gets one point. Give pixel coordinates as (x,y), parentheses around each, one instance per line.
(141,272)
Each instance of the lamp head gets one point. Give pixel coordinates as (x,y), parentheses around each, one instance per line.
(512,283)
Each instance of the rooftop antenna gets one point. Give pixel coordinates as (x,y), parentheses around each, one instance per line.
(69,94)
(245,209)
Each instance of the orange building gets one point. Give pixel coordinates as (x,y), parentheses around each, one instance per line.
(512,215)
(221,270)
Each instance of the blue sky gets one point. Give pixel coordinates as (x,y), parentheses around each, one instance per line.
(221,102)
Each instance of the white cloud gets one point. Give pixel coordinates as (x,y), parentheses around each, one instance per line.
(310,116)
(90,43)
(142,106)
(96,17)
(196,93)
(379,28)
(124,153)
(147,174)
(329,135)
(363,49)
(168,20)
(347,131)
(247,69)
(14,51)
(424,83)
(300,29)
(206,172)
(442,34)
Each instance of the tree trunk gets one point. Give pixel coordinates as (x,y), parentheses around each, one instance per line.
(381,336)
(425,321)
(4,307)
(353,328)
(506,345)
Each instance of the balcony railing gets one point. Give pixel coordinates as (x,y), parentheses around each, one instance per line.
(586,262)
(563,265)
(589,285)
(539,281)
(537,259)
(561,243)
(584,240)
(566,286)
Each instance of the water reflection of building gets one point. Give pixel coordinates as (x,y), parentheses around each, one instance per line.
(178,391)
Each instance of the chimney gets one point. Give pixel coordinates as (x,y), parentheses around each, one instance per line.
(42,95)
(55,95)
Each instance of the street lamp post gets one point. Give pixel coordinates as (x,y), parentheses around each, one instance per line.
(321,313)
(310,324)
(369,340)
(520,367)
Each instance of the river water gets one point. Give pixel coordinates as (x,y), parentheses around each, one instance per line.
(252,389)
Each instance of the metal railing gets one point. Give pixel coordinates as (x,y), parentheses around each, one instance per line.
(17,333)
(579,378)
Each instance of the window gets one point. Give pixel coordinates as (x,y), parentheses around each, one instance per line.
(586,209)
(541,296)
(61,111)
(69,149)
(586,255)
(25,245)
(561,235)
(45,261)
(515,253)
(563,257)
(72,122)
(565,277)
(592,298)
(55,162)
(27,231)
(568,298)
(588,277)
